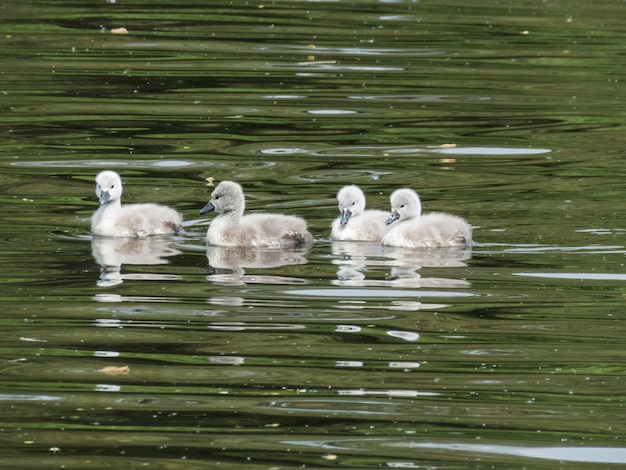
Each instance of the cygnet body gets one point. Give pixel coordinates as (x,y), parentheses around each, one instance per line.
(355,222)
(411,229)
(232,228)
(131,220)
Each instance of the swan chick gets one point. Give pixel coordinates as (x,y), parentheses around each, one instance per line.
(112,219)
(355,222)
(232,228)
(411,229)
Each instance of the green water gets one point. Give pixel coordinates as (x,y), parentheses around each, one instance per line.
(507,355)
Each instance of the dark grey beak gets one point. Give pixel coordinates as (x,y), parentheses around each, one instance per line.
(104,197)
(392,218)
(208,208)
(345,216)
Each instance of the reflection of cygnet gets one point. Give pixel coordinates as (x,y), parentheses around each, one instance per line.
(444,258)
(227,257)
(131,220)
(369,265)
(112,253)
(229,263)
(349,273)
(413,230)
(232,228)
(353,259)
(355,222)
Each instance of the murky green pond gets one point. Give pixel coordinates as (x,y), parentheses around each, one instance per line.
(164,354)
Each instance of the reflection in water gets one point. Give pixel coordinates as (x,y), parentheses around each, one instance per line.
(402,305)
(112,253)
(110,297)
(228,264)
(355,258)
(227,360)
(555,453)
(388,393)
(227,301)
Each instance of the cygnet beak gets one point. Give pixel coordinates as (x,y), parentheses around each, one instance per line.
(207,208)
(104,197)
(392,218)
(345,216)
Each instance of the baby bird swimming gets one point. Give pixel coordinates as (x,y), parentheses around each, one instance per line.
(131,220)
(414,230)
(355,222)
(232,228)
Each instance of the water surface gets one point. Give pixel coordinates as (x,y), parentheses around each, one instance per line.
(166,354)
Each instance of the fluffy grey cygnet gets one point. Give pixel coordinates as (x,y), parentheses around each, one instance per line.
(232,228)
(355,222)
(112,219)
(411,229)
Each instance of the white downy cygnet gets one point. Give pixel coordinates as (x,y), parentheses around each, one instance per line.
(411,229)
(112,219)
(355,222)
(232,228)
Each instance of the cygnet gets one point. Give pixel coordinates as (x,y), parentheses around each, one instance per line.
(232,228)
(355,222)
(131,220)
(411,229)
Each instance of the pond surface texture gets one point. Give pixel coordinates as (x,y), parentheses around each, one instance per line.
(347,355)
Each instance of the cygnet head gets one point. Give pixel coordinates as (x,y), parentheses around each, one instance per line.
(108,187)
(226,198)
(405,204)
(351,202)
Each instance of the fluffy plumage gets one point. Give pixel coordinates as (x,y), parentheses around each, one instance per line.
(232,228)
(355,222)
(410,229)
(131,220)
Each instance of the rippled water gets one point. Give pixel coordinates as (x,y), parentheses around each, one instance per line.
(165,354)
